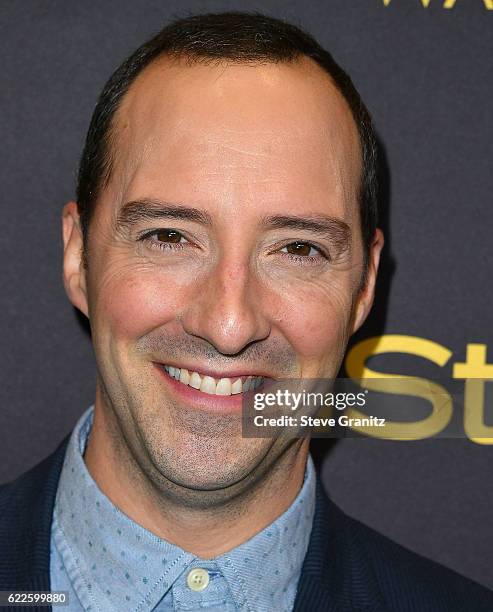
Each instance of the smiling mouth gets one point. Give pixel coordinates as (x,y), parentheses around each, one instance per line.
(214,386)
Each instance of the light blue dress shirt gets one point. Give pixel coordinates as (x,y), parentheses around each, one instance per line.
(107,562)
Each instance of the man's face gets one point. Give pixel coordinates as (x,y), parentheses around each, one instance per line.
(247,261)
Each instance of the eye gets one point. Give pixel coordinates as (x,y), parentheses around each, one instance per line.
(303,253)
(164,239)
(302,249)
(168,235)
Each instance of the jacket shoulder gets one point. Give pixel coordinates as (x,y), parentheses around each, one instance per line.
(16,495)
(26,508)
(409,582)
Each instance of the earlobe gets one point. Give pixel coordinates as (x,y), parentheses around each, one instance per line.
(74,273)
(365,298)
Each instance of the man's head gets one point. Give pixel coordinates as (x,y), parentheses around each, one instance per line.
(226,206)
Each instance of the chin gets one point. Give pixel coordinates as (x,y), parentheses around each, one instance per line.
(206,466)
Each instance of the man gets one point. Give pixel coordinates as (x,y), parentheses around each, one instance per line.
(224,234)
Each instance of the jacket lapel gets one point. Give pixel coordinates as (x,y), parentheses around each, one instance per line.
(336,574)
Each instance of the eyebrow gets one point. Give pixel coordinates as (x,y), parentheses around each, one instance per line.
(332,228)
(136,211)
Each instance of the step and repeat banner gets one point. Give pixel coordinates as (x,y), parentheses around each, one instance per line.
(424,69)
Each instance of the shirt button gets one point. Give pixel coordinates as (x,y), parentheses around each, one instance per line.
(198,579)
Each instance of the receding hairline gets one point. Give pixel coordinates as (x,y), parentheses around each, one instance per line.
(186,60)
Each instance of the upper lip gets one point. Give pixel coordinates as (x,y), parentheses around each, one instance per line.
(204,371)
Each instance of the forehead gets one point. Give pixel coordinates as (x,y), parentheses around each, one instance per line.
(282,131)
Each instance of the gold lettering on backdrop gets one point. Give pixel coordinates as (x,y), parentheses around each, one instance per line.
(447,4)
(439,398)
(475,372)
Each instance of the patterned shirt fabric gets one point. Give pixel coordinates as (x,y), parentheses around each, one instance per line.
(107,562)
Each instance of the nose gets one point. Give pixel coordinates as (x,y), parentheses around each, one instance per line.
(226,309)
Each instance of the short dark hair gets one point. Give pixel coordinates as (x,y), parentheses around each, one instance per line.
(237,37)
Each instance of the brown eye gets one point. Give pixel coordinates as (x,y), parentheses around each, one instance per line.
(168,236)
(303,249)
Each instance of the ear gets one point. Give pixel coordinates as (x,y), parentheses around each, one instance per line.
(365,297)
(74,272)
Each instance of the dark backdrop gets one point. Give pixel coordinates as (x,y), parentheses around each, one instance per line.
(425,73)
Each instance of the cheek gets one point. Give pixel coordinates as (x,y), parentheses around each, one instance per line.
(316,322)
(131,305)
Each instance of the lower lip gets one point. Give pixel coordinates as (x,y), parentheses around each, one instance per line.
(200,400)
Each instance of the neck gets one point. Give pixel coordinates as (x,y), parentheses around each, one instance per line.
(205,532)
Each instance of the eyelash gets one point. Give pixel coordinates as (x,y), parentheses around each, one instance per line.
(175,246)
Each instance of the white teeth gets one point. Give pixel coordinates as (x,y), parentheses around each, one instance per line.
(195,380)
(184,376)
(208,384)
(236,387)
(223,387)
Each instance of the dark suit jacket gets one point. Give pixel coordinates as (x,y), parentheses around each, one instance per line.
(348,566)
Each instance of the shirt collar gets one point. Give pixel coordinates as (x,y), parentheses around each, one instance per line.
(132,559)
